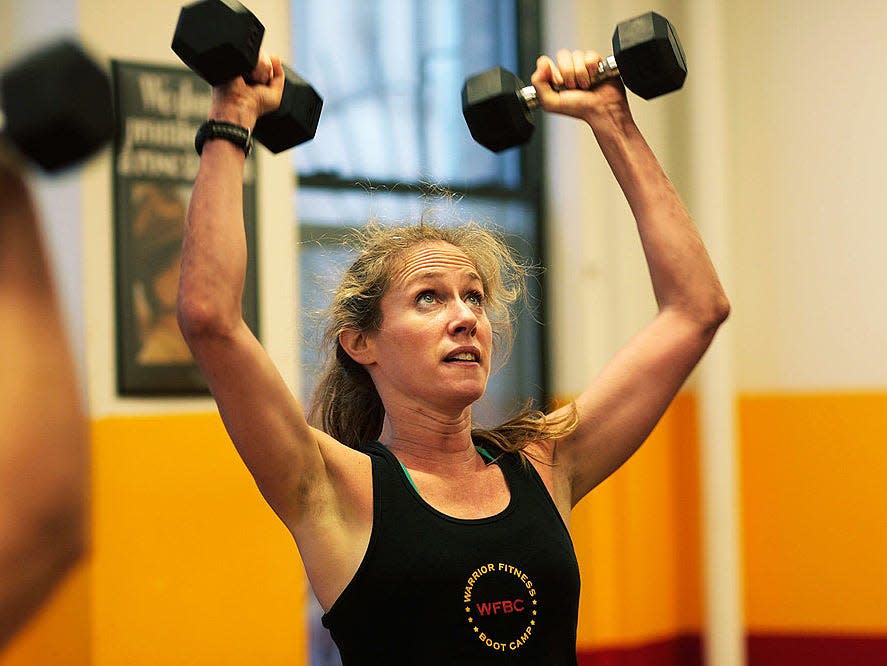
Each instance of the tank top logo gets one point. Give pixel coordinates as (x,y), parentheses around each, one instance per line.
(501,606)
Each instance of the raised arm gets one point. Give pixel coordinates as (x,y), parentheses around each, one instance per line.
(623,403)
(43,446)
(305,475)
(264,420)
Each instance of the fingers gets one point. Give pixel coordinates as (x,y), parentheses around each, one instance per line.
(565,64)
(557,78)
(571,85)
(591,60)
(269,92)
(245,99)
(278,76)
(547,76)
(269,73)
(267,80)
(263,72)
(579,68)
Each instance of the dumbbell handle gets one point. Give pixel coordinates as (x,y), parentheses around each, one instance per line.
(606,69)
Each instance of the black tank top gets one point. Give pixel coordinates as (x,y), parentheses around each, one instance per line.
(433,589)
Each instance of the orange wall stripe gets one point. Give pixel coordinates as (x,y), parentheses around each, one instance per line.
(814,473)
(190,565)
(637,539)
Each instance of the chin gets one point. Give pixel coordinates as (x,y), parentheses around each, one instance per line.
(460,393)
(470,395)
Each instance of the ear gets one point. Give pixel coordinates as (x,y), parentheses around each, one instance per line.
(358,345)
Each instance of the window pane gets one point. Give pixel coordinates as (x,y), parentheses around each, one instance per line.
(391,76)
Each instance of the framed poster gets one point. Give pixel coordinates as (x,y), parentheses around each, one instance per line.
(158,112)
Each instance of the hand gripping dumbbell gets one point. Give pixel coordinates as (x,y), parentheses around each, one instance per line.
(57,105)
(647,55)
(219,40)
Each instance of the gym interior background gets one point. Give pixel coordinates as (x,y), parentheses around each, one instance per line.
(777,143)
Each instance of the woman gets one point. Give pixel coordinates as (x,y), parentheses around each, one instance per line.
(417,547)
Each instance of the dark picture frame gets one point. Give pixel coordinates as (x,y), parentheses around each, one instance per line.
(159,109)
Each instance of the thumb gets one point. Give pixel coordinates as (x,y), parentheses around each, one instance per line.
(272,93)
(547,79)
(263,71)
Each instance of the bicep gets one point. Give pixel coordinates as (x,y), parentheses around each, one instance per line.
(320,488)
(622,405)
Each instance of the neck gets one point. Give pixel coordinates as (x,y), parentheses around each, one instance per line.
(422,439)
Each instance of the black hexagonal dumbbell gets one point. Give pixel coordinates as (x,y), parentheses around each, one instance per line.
(647,55)
(57,105)
(220,40)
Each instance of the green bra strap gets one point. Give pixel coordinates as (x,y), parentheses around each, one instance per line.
(481,450)
(409,478)
(489,457)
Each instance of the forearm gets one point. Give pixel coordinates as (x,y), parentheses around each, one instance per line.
(214,252)
(43,443)
(681,270)
(684,280)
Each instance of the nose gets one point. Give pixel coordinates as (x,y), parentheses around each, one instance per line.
(463,319)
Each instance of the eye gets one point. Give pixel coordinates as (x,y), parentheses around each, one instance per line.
(425,298)
(476,299)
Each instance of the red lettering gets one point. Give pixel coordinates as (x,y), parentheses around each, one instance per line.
(505,606)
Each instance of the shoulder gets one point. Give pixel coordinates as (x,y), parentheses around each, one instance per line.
(542,457)
(340,458)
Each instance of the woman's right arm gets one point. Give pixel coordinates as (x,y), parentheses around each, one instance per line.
(297,468)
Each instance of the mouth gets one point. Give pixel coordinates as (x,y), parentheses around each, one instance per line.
(463,357)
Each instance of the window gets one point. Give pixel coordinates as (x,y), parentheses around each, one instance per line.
(391,73)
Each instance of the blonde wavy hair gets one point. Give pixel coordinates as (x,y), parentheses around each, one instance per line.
(345,403)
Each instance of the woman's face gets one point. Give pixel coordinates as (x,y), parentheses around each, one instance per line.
(435,343)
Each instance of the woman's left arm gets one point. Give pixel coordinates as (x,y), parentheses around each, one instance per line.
(620,407)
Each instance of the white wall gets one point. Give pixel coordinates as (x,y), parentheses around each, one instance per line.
(600,290)
(807,139)
(807,112)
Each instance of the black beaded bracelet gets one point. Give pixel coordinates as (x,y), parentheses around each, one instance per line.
(241,137)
